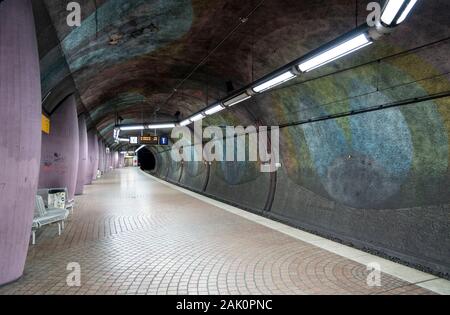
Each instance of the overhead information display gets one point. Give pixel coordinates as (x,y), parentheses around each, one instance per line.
(149,140)
(154,140)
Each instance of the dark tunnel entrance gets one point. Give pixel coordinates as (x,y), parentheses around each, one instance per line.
(146,160)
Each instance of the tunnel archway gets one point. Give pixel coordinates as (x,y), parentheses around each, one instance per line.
(146,160)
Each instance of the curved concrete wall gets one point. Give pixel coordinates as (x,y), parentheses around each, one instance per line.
(92,156)
(379,181)
(240,184)
(391,196)
(60,149)
(20,129)
(83,155)
(194,175)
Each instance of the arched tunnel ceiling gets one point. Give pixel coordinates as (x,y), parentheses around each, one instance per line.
(129,55)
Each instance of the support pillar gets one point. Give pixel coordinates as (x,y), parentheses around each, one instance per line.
(83,155)
(20,129)
(101,161)
(91,172)
(60,149)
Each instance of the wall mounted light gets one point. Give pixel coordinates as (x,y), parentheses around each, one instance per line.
(185,122)
(197,118)
(116,133)
(396,11)
(237,99)
(161,126)
(340,50)
(140,148)
(131,128)
(280,79)
(214,110)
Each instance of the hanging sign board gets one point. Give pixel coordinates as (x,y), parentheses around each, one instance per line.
(163,140)
(133,140)
(149,140)
(154,140)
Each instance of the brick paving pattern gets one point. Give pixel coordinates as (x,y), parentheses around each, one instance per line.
(133,235)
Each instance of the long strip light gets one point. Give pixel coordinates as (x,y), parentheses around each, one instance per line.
(391,10)
(132,128)
(197,118)
(341,50)
(162,126)
(282,78)
(214,110)
(408,10)
(237,99)
(116,133)
(394,13)
(140,148)
(185,122)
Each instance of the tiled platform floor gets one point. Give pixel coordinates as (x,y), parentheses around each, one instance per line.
(133,235)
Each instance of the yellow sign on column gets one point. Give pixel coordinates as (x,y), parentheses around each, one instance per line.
(45,124)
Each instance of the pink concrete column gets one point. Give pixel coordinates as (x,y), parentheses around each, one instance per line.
(101,161)
(83,155)
(116,160)
(93,156)
(103,155)
(109,158)
(105,166)
(60,149)
(20,129)
(122,160)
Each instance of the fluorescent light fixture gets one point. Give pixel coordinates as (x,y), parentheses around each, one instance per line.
(236,100)
(335,53)
(197,118)
(274,82)
(123,139)
(140,148)
(161,126)
(185,123)
(391,10)
(116,133)
(131,128)
(214,110)
(405,13)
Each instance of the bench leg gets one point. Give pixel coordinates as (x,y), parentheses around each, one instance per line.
(63,225)
(59,228)
(33,237)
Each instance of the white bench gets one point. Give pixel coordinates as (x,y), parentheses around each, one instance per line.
(44,217)
(45,192)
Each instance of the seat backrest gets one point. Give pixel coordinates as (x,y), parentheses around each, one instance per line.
(44,194)
(39,210)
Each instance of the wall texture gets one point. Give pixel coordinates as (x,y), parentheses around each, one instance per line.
(60,149)
(20,129)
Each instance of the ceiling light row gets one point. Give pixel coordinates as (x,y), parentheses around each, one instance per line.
(394,13)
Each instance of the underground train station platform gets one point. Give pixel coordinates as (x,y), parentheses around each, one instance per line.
(133,234)
(224,148)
